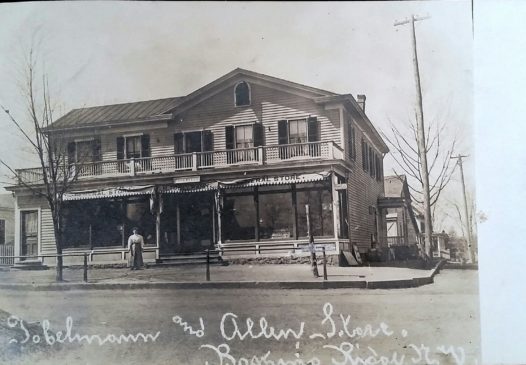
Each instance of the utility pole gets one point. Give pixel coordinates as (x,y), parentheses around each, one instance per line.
(422,148)
(466,212)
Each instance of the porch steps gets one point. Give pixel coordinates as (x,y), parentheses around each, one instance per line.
(29,265)
(189,259)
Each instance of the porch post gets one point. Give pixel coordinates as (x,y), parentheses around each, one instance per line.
(18,231)
(178,216)
(219,207)
(335,210)
(158,225)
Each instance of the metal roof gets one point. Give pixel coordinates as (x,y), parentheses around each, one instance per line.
(116,112)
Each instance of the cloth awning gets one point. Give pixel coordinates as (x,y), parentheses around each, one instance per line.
(109,192)
(275,180)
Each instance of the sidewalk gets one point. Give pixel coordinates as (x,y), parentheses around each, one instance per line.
(290,276)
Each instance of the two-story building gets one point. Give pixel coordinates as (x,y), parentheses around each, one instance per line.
(232,164)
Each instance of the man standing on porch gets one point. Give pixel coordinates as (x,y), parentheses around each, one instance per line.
(135,245)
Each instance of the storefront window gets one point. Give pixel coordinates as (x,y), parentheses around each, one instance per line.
(276,215)
(100,223)
(239,217)
(320,206)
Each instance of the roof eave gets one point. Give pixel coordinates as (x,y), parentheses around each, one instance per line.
(109,124)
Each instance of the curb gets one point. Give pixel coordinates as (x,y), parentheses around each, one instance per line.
(384,284)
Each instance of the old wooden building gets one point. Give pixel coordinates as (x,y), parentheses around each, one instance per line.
(232,164)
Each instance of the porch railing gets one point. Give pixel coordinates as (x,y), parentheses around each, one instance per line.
(263,155)
(7,253)
(397,241)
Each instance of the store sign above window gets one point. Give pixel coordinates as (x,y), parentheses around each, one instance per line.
(278,180)
(187,179)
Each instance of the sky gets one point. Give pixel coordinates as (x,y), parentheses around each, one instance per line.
(109,52)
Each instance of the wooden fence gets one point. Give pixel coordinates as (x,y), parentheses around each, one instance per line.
(7,250)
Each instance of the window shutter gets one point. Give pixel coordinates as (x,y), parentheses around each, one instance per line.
(258,131)
(145,145)
(97,155)
(71,152)
(380,167)
(283,135)
(371,161)
(229,137)
(313,129)
(120,148)
(353,140)
(178,143)
(208,141)
(364,155)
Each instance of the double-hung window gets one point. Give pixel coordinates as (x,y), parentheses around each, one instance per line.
(296,133)
(82,154)
(242,139)
(244,136)
(134,147)
(84,151)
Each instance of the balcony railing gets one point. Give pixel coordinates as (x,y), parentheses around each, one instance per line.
(197,161)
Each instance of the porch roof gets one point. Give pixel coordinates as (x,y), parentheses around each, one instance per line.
(196,187)
(109,192)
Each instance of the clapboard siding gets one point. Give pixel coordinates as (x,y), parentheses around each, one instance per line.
(47,234)
(267,107)
(363,191)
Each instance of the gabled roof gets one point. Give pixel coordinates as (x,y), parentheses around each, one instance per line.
(164,109)
(115,113)
(395,186)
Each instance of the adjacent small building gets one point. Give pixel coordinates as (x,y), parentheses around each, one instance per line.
(7,219)
(230,166)
(404,222)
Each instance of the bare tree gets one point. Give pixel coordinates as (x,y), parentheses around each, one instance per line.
(56,172)
(405,152)
(472,216)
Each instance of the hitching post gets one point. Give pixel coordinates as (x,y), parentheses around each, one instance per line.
(312,249)
(324,264)
(208,265)
(85,268)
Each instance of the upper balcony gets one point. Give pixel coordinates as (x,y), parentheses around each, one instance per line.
(197,161)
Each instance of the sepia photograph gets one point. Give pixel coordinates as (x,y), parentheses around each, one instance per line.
(231,183)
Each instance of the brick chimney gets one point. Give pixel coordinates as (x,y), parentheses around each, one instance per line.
(360,99)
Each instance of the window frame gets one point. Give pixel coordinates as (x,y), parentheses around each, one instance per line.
(92,141)
(249,91)
(308,135)
(236,127)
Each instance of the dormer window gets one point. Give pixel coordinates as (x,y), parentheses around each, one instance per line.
(242,94)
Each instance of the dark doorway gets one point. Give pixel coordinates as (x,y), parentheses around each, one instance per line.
(29,232)
(187,223)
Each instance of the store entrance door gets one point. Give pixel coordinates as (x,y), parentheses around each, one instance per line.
(29,239)
(196,221)
(187,223)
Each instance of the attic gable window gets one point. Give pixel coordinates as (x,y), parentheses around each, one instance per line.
(242,94)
